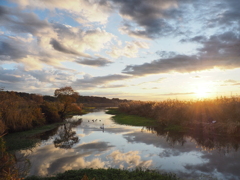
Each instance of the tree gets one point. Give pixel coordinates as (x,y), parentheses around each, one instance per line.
(67,96)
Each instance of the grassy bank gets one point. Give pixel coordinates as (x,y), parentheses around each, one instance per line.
(218,116)
(28,139)
(108,174)
(134,120)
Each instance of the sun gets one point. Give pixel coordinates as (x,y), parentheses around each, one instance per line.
(201,91)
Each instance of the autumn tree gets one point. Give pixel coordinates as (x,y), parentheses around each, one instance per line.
(66,96)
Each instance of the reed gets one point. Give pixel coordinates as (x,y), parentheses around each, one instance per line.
(220,115)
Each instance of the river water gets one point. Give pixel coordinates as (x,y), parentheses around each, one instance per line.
(86,144)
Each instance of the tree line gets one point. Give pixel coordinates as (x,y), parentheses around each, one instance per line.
(22,111)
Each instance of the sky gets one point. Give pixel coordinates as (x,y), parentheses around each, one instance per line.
(149,50)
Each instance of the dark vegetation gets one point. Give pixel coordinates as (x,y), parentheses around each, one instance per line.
(108,174)
(92,101)
(21,112)
(219,116)
(214,124)
(24,117)
(7,166)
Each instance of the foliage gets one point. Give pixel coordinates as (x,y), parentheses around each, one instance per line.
(23,111)
(220,115)
(50,110)
(109,174)
(66,96)
(17,113)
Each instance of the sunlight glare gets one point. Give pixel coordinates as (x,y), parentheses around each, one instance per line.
(201,91)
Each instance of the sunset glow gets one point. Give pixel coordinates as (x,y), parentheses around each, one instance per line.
(139,49)
(202,92)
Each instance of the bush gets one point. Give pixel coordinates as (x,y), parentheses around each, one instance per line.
(51,112)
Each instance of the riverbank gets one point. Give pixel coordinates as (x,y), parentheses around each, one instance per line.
(127,119)
(28,139)
(108,174)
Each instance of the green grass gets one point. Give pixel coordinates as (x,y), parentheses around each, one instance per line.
(175,128)
(122,118)
(109,174)
(27,139)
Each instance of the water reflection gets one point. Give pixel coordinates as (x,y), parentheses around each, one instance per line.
(189,155)
(66,137)
(204,139)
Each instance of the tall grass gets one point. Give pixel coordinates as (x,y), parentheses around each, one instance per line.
(220,115)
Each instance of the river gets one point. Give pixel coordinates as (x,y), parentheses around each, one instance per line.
(86,144)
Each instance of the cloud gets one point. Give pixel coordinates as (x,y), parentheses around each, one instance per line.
(165,54)
(113,86)
(230,82)
(217,51)
(94,61)
(130,50)
(180,63)
(149,16)
(228,15)
(83,11)
(22,22)
(59,47)
(41,42)
(89,82)
(43,81)
(9,76)
(11,49)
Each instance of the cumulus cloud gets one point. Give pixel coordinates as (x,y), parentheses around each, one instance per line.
(42,42)
(217,51)
(149,16)
(20,79)
(17,21)
(84,11)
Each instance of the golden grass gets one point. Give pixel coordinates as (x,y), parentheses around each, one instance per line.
(220,115)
